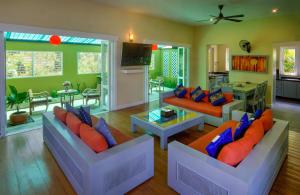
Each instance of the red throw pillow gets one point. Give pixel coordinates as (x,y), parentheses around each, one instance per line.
(267,119)
(92,138)
(73,123)
(255,131)
(60,114)
(233,153)
(228,97)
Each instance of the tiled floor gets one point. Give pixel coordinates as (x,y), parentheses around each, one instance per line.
(289,110)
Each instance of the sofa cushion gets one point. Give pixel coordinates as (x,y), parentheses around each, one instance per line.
(267,119)
(180,91)
(75,110)
(118,135)
(73,123)
(255,131)
(102,128)
(197,94)
(202,107)
(60,114)
(205,99)
(216,98)
(233,153)
(242,127)
(201,143)
(85,116)
(215,146)
(92,138)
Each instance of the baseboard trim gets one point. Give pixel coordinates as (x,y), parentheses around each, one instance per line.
(123,106)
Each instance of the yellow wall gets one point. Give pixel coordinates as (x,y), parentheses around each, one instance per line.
(262,34)
(89,16)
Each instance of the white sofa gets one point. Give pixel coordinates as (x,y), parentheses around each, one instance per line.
(191,172)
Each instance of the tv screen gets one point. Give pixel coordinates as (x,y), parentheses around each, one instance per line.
(136,54)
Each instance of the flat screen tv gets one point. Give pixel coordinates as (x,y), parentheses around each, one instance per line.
(136,54)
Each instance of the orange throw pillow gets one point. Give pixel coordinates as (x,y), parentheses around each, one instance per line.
(60,114)
(228,97)
(73,123)
(233,153)
(188,93)
(205,99)
(255,131)
(267,119)
(92,138)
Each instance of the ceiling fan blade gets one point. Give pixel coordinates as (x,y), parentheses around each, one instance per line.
(235,16)
(233,20)
(207,20)
(217,21)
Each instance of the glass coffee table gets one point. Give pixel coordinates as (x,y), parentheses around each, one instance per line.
(153,122)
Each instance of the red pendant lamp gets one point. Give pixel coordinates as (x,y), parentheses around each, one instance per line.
(55,40)
(154,47)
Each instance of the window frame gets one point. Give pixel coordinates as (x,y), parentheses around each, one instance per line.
(281,60)
(99,65)
(33,64)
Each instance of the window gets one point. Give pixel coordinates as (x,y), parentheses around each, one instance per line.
(89,62)
(152,64)
(21,64)
(288,61)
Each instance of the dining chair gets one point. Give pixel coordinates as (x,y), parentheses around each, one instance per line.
(262,99)
(254,103)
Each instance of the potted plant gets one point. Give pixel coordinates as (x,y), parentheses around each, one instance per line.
(15,99)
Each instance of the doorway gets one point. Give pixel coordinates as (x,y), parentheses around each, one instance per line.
(37,65)
(169,67)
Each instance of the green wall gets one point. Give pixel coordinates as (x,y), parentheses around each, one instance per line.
(54,82)
(262,34)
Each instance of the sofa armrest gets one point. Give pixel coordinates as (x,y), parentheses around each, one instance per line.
(228,108)
(164,95)
(191,172)
(122,167)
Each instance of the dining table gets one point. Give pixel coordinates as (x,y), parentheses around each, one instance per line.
(242,90)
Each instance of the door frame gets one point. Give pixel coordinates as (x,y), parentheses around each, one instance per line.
(176,44)
(40,30)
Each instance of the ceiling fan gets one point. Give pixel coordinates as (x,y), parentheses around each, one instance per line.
(217,19)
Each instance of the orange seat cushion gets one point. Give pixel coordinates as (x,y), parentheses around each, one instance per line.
(60,114)
(201,143)
(73,123)
(205,99)
(233,153)
(92,138)
(255,131)
(267,119)
(188,93)
(203,107)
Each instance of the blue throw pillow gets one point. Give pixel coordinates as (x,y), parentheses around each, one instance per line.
(180,91)
(215,146)
(216,98)
(102,128)
(242,127)
(85,116)
(197,94)
(75,111)
(256,115)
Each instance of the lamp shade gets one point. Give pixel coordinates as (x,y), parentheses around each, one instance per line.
(154,47)
(55,40)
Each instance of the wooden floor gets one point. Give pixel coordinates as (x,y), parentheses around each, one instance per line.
(27,166)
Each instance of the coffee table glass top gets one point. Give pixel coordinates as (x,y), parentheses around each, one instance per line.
(154,117)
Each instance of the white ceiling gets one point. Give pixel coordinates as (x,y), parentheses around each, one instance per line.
(189,11)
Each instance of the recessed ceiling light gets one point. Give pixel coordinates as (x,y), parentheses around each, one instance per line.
(275,10)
